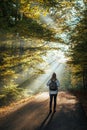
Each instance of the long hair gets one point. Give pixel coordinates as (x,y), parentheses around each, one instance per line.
(53,76)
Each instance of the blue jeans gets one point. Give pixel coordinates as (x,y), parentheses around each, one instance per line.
(53,97)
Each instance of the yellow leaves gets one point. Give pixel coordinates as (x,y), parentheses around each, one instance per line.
(22,1)
(76,68)
(41,1)
(36,15)
(75,81)
(44,12)
(35,11)
(9,72)
(66,4)
(32,9)
(32,12)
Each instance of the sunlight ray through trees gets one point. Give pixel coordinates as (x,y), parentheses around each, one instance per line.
(31,31)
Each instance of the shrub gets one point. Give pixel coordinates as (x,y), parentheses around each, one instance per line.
(9,94)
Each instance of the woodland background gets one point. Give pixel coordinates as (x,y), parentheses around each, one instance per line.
(28,30)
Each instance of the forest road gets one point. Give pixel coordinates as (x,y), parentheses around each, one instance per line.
(34,114)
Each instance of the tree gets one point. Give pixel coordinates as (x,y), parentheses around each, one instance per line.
(78,48)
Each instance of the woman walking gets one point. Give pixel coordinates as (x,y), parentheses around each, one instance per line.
(53,85)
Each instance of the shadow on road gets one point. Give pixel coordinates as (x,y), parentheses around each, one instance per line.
(25,116)
(46,121)
(34,115)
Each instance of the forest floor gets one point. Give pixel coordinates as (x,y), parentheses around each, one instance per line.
(82,97)
(33,114)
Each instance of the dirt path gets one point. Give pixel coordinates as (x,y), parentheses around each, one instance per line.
(34,115)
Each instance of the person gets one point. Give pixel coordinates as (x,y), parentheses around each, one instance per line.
(53,93)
